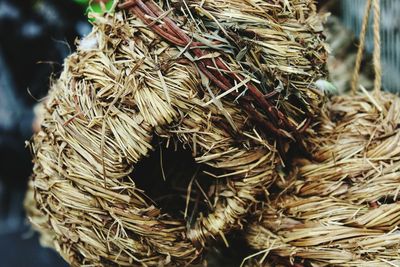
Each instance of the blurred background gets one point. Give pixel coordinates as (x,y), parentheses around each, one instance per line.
(35,37)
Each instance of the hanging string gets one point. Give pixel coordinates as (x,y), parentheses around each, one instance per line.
(377,47)
(360,52)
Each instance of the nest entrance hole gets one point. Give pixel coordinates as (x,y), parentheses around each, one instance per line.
(168,174)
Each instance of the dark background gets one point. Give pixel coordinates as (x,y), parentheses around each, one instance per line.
(35,37)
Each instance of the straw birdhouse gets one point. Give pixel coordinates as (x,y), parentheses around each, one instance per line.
(341,208)
(230,81)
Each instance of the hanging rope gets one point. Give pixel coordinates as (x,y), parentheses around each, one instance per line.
(377,47)
(360,52)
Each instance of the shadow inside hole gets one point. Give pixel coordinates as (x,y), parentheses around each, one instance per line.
(168,174)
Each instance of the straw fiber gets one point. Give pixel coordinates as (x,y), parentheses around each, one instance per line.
(341,208)
(237,94)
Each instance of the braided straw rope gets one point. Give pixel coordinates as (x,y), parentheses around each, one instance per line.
(377,47)
(341,208)
(126,85)
(360,51)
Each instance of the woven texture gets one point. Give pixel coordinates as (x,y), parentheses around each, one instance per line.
(126,85)
(340,209)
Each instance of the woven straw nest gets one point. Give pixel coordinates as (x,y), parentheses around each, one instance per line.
(131,88)
(340,209)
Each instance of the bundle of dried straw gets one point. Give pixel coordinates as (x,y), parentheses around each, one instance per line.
(233,81)
(341,208)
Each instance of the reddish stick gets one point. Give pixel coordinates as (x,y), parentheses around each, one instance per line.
(181,39)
